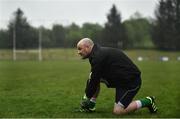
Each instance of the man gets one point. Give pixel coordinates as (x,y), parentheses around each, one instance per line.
(112,67)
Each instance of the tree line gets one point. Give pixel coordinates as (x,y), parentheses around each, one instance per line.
(137,32)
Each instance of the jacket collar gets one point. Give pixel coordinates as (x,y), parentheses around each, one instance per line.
(94,49)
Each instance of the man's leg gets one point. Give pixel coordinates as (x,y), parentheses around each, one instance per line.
(148,102)
(125,96)
(123,102)
(119,109)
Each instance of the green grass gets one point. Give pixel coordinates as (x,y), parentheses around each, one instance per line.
(54,88)
(71,54)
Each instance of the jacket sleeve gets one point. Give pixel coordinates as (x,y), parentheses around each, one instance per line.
(94,78)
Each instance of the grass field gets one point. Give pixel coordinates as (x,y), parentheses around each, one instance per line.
(71,54)
(54,88)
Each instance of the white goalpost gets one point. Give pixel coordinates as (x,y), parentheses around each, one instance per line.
(14,42)
(40,44)
(39,51)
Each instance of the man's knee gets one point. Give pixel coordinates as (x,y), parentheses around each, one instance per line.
(119,110)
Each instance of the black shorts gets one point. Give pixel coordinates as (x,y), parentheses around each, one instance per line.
(125,96)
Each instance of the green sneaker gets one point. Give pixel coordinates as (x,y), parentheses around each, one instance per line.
(152,107)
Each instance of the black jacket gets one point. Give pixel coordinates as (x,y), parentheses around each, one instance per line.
(114,67)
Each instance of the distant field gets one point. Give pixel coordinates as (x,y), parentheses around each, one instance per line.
(54,88)
(71,54)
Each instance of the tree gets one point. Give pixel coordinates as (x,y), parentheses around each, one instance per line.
(92,31)
(113,33)
(46,37)
(166,29)
(138,31)
(26,36)
(58,35)
(73,35)
(4,42)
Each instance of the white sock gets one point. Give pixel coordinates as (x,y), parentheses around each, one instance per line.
(138,103)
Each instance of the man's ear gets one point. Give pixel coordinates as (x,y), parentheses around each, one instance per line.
(86,46)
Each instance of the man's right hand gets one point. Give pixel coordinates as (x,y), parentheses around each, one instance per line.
(87,104)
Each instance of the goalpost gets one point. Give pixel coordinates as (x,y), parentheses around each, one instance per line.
(14,43)
(40,44)
(39,51)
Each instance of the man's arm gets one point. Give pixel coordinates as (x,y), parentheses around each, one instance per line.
(88,103)
(94,82)
(95,95)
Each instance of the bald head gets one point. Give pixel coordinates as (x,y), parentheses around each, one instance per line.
(86,41)
(84,47)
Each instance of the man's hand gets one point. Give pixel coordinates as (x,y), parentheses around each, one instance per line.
(87,104)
